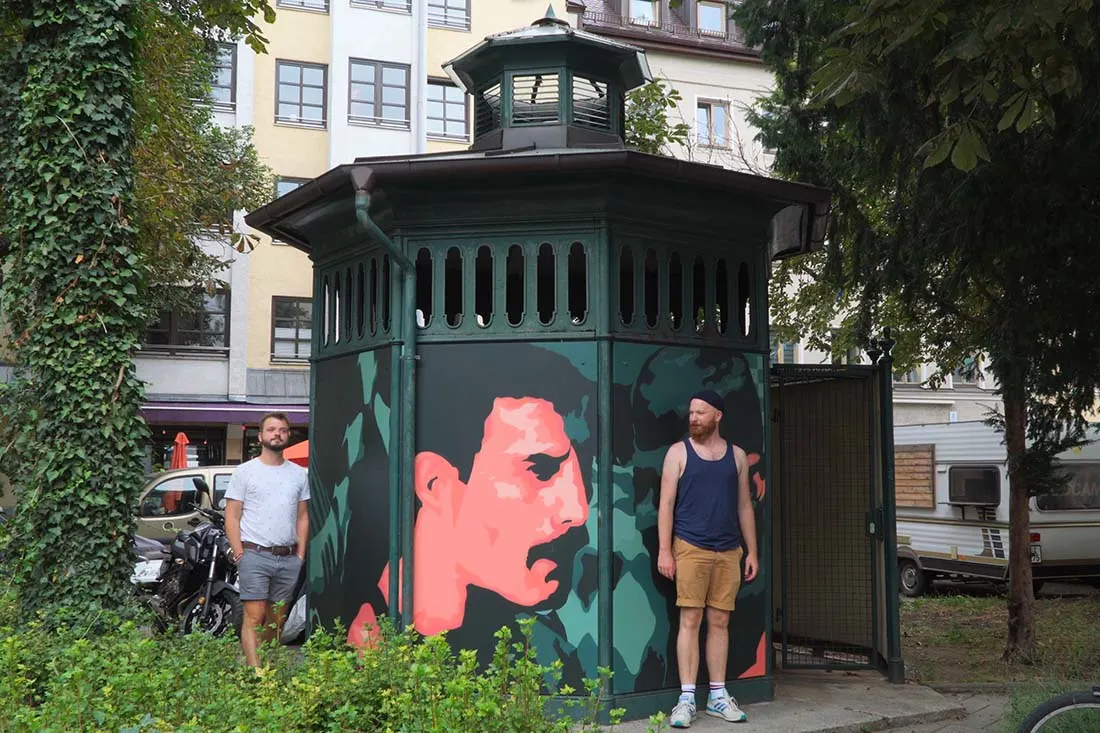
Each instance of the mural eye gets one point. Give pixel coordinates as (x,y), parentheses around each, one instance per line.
(543,466)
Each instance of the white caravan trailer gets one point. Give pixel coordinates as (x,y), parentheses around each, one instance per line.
(952,509)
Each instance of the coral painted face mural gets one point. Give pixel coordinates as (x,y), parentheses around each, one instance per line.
(505,481)
(526,488)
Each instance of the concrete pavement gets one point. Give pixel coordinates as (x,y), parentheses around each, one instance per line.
(984,712)
(845,702)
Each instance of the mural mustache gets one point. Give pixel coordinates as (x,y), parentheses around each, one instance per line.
(554,560)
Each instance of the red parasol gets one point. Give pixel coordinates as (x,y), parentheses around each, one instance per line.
(172,499)
(299,453)
(179,451)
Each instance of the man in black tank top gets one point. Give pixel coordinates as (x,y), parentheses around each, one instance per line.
(705,527)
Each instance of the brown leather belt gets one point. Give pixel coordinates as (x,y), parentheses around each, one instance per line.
(278,550)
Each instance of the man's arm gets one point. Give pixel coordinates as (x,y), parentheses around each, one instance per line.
(670,477)
(303,528)
(233,508)
(747,515)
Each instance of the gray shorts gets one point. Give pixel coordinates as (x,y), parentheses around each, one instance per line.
(266,577)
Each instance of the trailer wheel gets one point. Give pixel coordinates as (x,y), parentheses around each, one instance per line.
(912,580)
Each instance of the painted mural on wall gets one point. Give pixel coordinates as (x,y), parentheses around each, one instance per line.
(653,385)
(349,474)
(505,479)
(504,469)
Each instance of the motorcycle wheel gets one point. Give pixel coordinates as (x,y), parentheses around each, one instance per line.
(226,612)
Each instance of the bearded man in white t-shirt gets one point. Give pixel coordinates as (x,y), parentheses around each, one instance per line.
(267,522)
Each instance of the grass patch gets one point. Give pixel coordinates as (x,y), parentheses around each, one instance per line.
(958,638)
(1029,697)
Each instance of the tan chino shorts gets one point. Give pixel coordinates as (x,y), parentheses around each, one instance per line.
(705,577)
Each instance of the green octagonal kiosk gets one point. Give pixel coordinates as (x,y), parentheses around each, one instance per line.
(505,341)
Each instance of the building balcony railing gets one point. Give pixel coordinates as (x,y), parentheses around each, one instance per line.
(733,35)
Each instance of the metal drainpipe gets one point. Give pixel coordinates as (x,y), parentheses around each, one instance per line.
(895,666)
(421,69)
(362,178)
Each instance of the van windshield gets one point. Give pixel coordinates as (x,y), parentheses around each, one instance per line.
(1082,492)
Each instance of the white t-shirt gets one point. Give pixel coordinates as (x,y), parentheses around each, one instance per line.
(270,495)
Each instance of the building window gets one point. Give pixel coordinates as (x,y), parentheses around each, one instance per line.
(711,18)
(200,324)
(291,328)
(284,185)
(378,93)
(910,377)
(449,13)
(711,128)
(782,353)
(447,111)
(967,373)
(223,87)
(402,6)
(320,5)
(301,97)
(643,12)
(842,357)
(846,358)
(205,447)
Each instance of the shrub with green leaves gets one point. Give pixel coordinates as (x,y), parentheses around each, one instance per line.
(60,679)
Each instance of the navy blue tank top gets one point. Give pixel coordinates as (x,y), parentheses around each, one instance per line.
(705,514)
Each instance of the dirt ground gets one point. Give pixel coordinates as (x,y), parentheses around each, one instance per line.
(958,634)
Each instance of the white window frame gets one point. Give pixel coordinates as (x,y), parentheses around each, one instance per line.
(448,14)
(465,136)
(723,10)
(712,105)
(636,20)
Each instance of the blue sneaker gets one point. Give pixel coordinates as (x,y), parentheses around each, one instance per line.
(725,707)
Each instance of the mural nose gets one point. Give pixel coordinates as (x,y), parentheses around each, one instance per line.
(574,510)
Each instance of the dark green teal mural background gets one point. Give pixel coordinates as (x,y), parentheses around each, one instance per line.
(349,474)
(653,385)
(506,488)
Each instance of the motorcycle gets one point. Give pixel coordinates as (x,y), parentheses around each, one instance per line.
(192,584)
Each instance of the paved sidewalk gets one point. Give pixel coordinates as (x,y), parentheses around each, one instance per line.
(842,702)
(984,712)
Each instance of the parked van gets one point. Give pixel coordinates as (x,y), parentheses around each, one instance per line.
(163,508)
(953,501)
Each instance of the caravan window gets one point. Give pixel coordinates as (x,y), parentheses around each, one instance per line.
(1082,492)
(980,486)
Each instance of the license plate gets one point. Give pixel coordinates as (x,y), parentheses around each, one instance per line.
(146,572)
(1036,554)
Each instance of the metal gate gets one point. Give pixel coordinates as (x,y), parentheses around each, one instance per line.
(826,483)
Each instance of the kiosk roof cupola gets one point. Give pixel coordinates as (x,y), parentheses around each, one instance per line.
(548,85)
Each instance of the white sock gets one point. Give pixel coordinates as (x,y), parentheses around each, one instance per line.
(717,691)
(687,693)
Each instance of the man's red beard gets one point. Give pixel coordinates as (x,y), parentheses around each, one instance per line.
(701,431)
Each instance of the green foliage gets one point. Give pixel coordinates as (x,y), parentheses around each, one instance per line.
(224,18)
(958,264)
(73,280)
(190,173)
(991,66)
(647,125)
(106,170)
(127,680)
(963,259)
